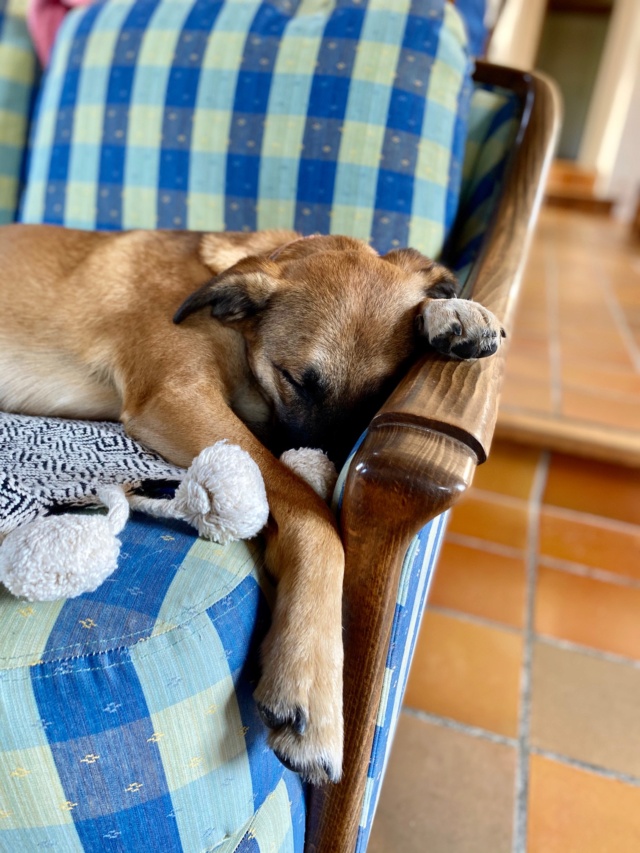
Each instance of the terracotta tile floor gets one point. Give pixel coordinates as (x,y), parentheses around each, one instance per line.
(573,371)
(520,731)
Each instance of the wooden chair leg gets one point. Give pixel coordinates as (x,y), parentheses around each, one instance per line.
(401,478)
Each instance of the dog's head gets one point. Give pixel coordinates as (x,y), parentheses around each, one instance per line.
(328,326)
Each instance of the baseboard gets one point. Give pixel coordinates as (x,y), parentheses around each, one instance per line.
(566,435)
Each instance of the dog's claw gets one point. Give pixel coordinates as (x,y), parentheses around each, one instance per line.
(296,745)
(300,723)
(270,718)
(320,775)
(307,737)
(283,759)
(297,719)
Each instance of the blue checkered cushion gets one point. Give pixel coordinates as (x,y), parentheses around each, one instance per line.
(494,119)
(17,76)
(345,117)
(127,714)
(473,14)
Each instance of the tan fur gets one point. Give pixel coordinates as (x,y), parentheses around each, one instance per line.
(86,330)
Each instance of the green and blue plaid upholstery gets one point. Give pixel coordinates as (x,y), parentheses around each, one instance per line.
(494,119)
(473,14)
(127,718)
(17,77)
(344,116)
(415,580)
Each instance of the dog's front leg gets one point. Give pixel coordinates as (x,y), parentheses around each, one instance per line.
(300,692)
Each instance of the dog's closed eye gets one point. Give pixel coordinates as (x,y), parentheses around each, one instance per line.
(288,378)
(311,387)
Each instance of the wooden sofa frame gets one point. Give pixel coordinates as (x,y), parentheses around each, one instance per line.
(420,454)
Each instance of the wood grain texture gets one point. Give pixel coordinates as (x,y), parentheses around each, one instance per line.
(459,398)
(385,504)
(419,457)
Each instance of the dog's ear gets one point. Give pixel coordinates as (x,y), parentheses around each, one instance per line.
(236,294)
(440,283)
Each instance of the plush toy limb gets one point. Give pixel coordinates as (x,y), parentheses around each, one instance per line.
(314,467)
(222,495)
(63,556)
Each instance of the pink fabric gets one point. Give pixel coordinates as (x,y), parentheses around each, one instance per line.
(43,19)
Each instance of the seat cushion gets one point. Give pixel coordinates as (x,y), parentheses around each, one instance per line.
(344,117)
(127,713)
(17,79)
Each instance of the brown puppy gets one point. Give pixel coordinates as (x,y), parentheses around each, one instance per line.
(305,336)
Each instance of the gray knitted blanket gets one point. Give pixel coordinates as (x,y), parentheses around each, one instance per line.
(46,462)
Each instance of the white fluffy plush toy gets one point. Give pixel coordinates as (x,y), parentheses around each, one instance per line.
(47,462)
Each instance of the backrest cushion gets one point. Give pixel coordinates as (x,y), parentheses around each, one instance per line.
(17,77)
(474,14)
(494,120)
(340,116)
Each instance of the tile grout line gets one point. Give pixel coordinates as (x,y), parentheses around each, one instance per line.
(490,496)
(585,766)
(612,394)
(522,769)
(474,618)
(504,740)
(456,726)
(588,651)
(619,318)
(547,639)
(616,525)
(484,545)
(590,572)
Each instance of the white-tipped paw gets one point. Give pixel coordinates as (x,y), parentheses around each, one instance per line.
(300,701)
(461,328)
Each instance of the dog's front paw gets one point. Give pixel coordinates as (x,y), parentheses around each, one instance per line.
(461,328)
(300,700)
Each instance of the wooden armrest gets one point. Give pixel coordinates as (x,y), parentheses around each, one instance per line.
(419,456)
(458,398)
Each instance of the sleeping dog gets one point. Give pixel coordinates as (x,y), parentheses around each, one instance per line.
(269,340)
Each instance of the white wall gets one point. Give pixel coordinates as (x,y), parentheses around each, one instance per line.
(622,181)
(611,140)
(516,37)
